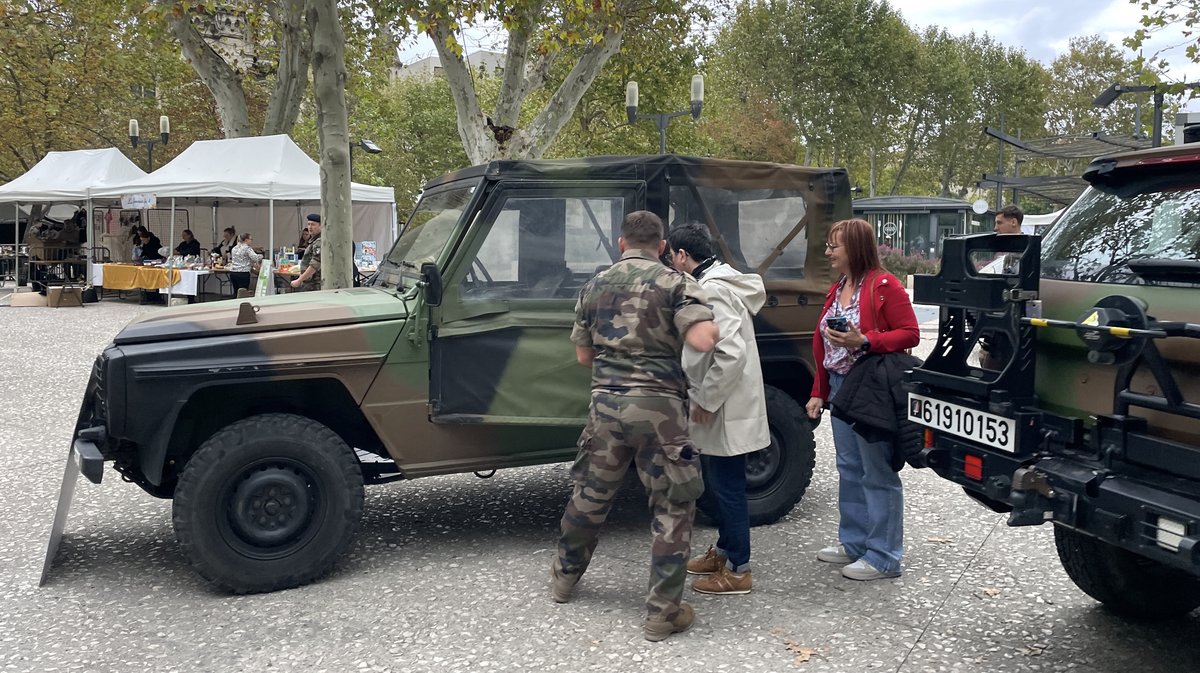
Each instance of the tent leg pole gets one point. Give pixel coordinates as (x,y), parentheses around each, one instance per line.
(89,250)
(16,246)
(170,251)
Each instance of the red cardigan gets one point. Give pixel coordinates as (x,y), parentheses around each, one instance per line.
(887,319)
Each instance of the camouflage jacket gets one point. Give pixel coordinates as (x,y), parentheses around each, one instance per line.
(312,258)
(634,314)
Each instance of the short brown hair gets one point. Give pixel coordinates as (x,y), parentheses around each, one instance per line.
(1012,213)
(862,252)
(642,228)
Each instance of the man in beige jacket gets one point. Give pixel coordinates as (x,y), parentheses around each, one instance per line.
(728,414)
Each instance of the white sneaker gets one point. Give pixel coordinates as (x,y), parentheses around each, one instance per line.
(861,570)
(834,554)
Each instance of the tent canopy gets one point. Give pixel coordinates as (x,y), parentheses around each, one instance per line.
(258,168)
(71,176)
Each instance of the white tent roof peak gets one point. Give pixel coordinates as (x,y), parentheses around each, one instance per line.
(71,176)
(255,168)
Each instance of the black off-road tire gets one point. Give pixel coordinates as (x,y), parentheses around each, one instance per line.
(267,503)
(1126,583)
(778,476)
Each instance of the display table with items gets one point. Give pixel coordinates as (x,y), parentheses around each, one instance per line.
(187,282)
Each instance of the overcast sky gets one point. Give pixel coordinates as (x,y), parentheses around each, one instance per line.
(1043,28)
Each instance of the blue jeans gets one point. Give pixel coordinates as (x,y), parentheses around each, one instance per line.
(870,497)
(725,477)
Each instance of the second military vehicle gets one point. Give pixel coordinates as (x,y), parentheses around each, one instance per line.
(1085,409)
(263,419)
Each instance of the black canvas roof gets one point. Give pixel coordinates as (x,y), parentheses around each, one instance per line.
(647,167)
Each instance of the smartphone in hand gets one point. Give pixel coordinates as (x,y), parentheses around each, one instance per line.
(838,323)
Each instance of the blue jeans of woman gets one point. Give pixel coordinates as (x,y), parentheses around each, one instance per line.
(725,477)
(870,497)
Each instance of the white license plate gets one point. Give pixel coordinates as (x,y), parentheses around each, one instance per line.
(990,430)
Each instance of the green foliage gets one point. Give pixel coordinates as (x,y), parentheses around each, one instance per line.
(413,121)
(902,266)
(73,72)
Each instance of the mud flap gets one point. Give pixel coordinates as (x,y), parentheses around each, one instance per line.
(83,458)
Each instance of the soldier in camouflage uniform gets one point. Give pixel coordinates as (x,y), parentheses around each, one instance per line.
(310,263)
(631,322)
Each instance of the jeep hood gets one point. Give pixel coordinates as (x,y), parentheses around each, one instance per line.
(297,310)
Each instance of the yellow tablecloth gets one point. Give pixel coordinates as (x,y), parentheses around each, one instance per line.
(130,277)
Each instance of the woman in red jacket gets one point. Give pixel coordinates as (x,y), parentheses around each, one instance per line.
(867,310)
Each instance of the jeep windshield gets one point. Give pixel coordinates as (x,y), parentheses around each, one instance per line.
(1132,233)
(425,236)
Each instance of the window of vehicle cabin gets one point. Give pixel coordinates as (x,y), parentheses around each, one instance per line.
(1103,233)
(545,247)
(752,224)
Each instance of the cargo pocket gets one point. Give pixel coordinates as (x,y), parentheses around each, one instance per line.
(682,470)
(579,469)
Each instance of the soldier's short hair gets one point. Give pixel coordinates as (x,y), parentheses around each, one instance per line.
(642,228)
(692,238)
(1012,213)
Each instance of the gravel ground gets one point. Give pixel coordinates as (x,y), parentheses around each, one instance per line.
(450,573)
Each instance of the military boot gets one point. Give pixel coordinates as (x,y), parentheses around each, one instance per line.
(660,629)
(561,584)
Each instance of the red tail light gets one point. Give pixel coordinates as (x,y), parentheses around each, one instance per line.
(973,467)
(928,438)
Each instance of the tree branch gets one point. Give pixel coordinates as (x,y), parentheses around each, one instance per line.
(533,141)
(291,77)
(221,80)
(539,71)
(512,89)
(462,88)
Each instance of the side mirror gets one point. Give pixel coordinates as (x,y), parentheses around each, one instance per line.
(433,283)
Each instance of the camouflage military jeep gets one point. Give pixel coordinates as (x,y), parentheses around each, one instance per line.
(263,419)
(1086,412)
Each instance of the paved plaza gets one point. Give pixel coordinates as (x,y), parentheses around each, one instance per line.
(451,573)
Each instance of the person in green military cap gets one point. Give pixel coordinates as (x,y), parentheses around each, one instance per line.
(631,322)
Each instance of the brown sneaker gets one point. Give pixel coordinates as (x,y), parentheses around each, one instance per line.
(660,629)
(561,585)
(711,562)
(724,581)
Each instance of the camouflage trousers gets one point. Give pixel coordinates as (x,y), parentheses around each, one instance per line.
(651,433)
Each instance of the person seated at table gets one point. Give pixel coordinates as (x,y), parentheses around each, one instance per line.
(188,246)
(229,241)
(151,246)
(243,260)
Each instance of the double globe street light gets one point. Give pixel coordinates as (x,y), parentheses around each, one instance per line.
(164,133)
(664,118)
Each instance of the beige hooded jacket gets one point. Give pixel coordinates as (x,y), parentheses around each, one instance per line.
(728,381)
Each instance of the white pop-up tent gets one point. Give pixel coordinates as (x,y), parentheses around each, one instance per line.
(68,177)
(1036,224)
(269,171)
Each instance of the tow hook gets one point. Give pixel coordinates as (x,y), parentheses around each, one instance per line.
(1033,499)
(485,475)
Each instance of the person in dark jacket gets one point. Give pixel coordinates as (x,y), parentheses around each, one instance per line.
(873,401)
(189,245)
(869,312)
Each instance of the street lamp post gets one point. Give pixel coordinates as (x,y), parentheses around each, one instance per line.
(365,145)
(164,133)
(664,118)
